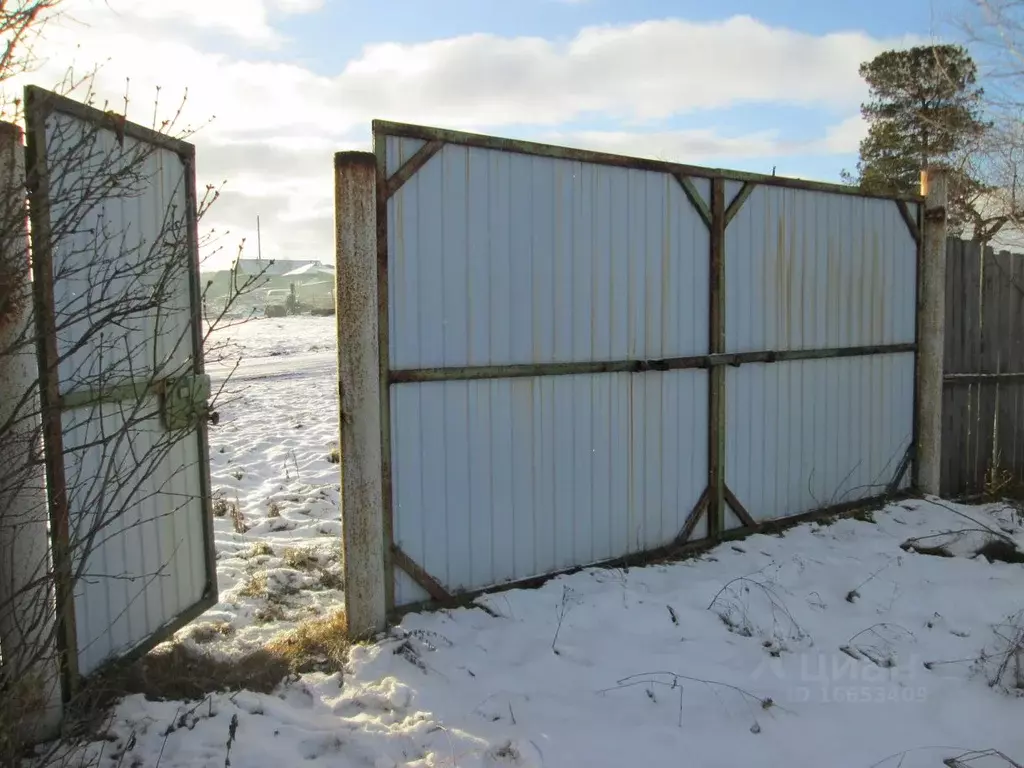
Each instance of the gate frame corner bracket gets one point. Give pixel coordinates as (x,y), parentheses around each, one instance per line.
(693,195)
(411,167)
(740,510)
(737,202)
(690,525)
(415,571)
(912,227)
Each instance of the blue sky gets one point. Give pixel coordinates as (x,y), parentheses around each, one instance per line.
(327,40)
(342,27)
(750,85)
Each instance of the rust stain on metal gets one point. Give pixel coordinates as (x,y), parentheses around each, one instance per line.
(879,290)
(418,574)
(832,292)
(603,158)
(411,166)
(781,281)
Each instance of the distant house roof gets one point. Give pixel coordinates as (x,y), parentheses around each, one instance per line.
(277,267)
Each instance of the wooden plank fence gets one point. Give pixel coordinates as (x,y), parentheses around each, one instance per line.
(983,398)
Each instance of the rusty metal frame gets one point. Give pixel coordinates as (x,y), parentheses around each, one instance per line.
(737,202)
(694,362)
(739,510)
(380,150)
(40,104)
(516,146)
(418,573)
(913,226)
(692,519)
(37,174)
(716,345)
(411,166)
(673,552)
(695,198)
(716,496)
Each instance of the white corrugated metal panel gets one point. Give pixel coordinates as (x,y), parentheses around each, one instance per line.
(805,435)
(122,259)
(814,270)
(147,564)
(399,150)
(110,257)
(499,258)
(501,480)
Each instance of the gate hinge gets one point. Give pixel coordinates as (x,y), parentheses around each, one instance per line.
(186,401)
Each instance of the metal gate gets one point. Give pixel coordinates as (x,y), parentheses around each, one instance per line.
(124,397)
(586,357)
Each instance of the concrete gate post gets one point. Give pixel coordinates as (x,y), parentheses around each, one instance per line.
(359,391)
(931,333)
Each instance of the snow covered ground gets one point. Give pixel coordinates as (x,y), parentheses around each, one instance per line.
(831,645)
(276,489)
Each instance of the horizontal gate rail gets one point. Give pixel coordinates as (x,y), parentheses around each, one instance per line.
(958,379)
(695,362)
(516,146)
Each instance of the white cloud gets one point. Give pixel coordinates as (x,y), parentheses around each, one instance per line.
(697,147)
(247,20)
(277,123)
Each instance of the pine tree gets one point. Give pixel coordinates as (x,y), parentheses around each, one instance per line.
(925,107)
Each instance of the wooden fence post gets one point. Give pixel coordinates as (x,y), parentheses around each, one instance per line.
(27,609)
(931,334)
(359,391)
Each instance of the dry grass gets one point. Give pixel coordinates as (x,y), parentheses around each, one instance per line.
(316,645)
(1002,485)
(176,672)
(208,631)
(274,510)
(21,701)
(255,586)
(238,519)
(332,579)
(259,549)
(308,560)
(269,613)
(300,559)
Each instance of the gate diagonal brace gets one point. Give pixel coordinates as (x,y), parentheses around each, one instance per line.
(702,207)
(737,202)
(695,198)
(411,166)
(909,220)
(901,470)
(693,518)
(739,510)
(417,573)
